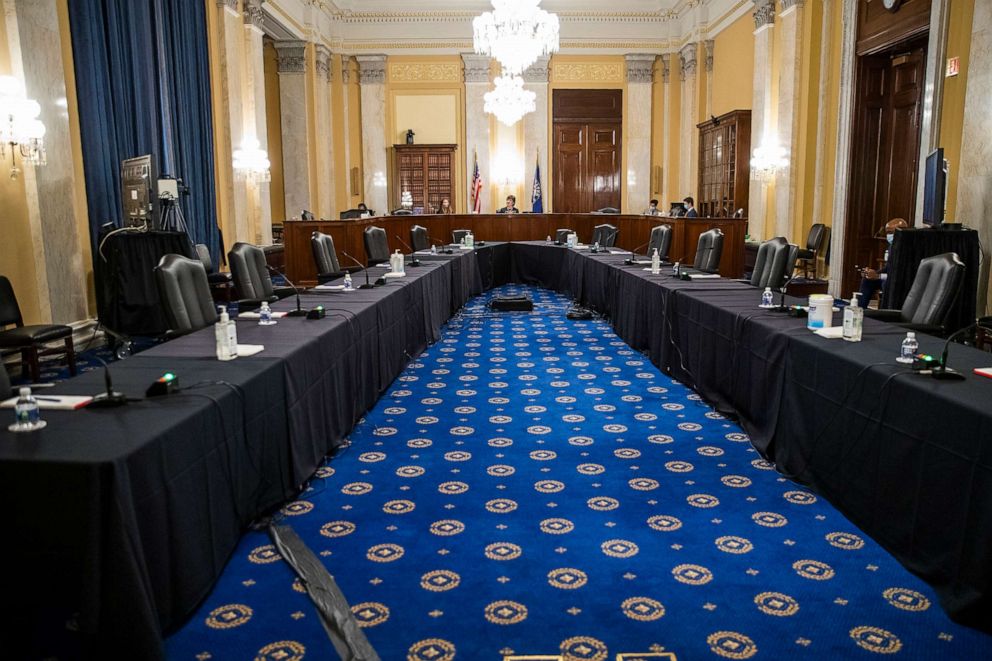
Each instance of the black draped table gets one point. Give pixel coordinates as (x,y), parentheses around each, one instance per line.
(127,516)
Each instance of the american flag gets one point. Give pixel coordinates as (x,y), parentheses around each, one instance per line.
(476,188)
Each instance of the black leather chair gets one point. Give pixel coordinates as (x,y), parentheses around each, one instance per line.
(352,213)
(605,235)
(419,239)
(30,341)
(250,274)
(458,235)
(401,212)
(325,257)
(5,390)
(610,210)
(661,240)
(561,235)
(709,250)
(221,283)
(185,294)
(376,245)
(815,241)
(773,265)
(935,289)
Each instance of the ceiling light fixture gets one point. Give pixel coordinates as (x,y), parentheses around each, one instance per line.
(515,34)
(508,100)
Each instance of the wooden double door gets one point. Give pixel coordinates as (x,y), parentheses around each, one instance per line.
(587,156)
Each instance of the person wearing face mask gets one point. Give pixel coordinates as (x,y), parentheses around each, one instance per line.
(872,281)
(652,210)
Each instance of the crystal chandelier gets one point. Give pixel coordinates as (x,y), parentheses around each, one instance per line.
(20,128)
(508,100)
(251,161)
(515,34)
(767,160)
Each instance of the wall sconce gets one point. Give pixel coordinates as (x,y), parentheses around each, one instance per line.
(20,128)
(251,162)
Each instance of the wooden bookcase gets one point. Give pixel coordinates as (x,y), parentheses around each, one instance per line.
(427,171)
(724,164)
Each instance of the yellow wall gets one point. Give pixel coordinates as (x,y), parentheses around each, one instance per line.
(273,132)
(353,91)
(338,136)
(733,67)
(674,135)
(952,109)
(808,114)
(432,116)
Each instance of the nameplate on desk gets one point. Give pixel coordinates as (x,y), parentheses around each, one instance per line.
(54,402)
(245,350)
(256,315)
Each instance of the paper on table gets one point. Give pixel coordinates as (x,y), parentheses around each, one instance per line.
(256,315)
(54,402)
(394,275)
(832,333)
(330,287)
(703,276)
(984,371)
(245,350)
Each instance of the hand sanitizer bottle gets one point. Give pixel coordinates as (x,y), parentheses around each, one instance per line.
(27,415)
(470,240)
(655,262)
(347,281)
(854,319)
(222,336)
(767,298)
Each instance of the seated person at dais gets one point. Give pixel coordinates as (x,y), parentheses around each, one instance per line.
(511,205)
(445,207)
(872,280)
(364,209)
(652,210)
(690,209)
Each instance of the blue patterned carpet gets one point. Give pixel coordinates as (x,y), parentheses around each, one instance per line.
(531,485)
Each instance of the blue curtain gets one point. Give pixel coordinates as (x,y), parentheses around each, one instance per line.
(143,84)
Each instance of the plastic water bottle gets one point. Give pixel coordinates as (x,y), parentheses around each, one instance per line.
(767,298)
(347,281)
(265,315)
(27,415)
(909,348)
(433,249)
(548,240)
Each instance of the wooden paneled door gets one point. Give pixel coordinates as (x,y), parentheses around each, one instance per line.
(587,150)
(885,153)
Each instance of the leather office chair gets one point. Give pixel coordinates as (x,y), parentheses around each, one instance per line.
(5,390)
(605,235)
(661,240)
(561,235)
(609,210)
(458,235)
(401,212)
(352,213)
(250,273)
(419,240)
(935,289)
(325,257)
(709,250)
(774,263)
(220,282)
(30,341)
(815,241)
(376,245)
(185,294)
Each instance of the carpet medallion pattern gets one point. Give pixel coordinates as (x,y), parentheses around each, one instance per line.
(530,485)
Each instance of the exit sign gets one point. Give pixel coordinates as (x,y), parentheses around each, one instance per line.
(953,66)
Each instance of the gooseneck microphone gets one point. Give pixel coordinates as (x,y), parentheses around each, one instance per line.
(445,248)
(367,285)
(609,237)
(413,256)
(782,307)
(630,260)
(111,398)
(299,311)
(942,372)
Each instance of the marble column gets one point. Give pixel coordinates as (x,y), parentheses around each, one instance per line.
(640,81)
(536,131)
(346,112)
(259,206)
(325,145)
(709,46)
(56,216)
(477,125)
(239,120)
(823,96)
(974,201)
(666,124)
(292,68)
(372,78)
(688,158)
(790,22)
(761,111)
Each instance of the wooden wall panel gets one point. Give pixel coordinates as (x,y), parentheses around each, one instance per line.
(879,28)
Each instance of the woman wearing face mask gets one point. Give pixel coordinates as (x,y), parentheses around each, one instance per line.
(872,281)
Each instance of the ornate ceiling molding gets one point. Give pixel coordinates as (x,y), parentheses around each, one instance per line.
(640,67)
(291,56)
(371,69)
(764,14)
(538,72)
(418,72)
(582,72)
(253,15)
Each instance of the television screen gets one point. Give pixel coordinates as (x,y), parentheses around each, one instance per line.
(934,188)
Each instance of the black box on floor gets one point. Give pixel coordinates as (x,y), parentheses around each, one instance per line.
(512,304)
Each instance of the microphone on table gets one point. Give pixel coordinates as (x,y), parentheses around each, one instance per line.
(111,398)
(413,253)
(609,237)
(445,248)
(782,307)
(367,285)
(299,311)
(630,260)
(942,372)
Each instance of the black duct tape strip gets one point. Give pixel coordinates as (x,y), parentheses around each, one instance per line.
(335,614)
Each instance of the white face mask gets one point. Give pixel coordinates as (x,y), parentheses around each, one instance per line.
(889,238)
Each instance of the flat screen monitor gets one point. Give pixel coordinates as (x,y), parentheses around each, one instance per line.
(934,188)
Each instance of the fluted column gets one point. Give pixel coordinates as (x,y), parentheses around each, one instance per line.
(259,209)
(666,127)
(325,144)
(640,79)
(347,111)
(790,68)
(476,124)
(709,46)
(372,77)
(764,21)
(296,138)
(536,130)
(687,154)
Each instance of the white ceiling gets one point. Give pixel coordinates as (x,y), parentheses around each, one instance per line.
(482,5)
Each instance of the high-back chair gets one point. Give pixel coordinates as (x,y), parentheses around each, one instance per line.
(709,250)
(250,272)
(376,245)
(325,257)
(815,241)
(935,289)
(661,240)
(774,263)
(419,239)
(561,235)
(458,235)
(605,235)
(185,294)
